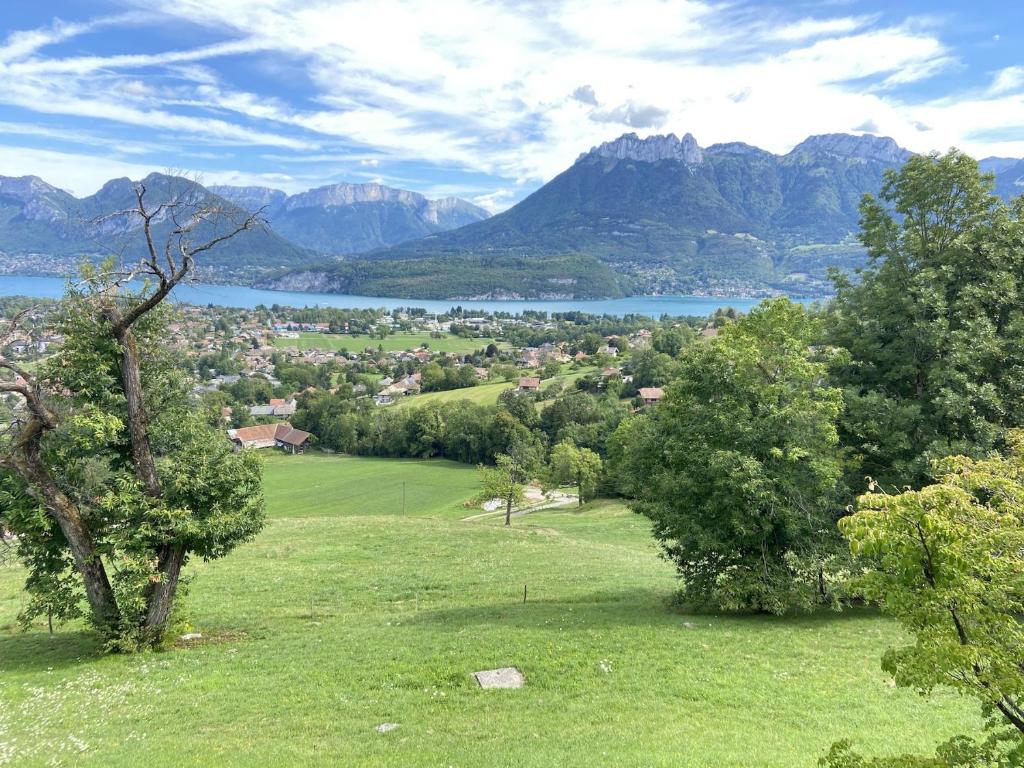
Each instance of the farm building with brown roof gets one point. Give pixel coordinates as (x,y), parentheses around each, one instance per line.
(283,436)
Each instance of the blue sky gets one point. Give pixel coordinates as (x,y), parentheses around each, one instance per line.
(485,101)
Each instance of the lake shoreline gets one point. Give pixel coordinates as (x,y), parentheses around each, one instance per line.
(233,295)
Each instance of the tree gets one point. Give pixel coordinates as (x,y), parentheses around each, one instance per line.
(503,371)
(590,343)
(551,369)
(108,460)
(579,466)
(670,341)
(650,368)
(738,466)
(934,325)
(508,478)
(946,562)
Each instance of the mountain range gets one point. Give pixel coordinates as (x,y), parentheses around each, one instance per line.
(343,219)
(635,215)
(654,215)
(45,229)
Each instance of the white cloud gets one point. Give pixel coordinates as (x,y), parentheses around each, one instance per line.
(1007,80)
(808,28)
(513,90)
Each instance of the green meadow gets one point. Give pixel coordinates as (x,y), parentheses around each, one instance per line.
(396,342)
(368,599)
(486,393)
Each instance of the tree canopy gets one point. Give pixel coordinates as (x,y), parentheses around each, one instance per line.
(934,325)
(738,466)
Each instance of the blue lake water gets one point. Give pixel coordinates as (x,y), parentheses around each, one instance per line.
(239,296)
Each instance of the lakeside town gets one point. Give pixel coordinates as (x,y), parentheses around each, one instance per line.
(257,368)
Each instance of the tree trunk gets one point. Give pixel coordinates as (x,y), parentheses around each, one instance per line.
(508,510)
(160,595)
(162,589)
(98,591)
(579,489)
(131,383)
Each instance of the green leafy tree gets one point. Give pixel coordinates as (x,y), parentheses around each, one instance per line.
(670,341)
(738,466)
(590,343)
(947,562)
(504,371)
(934,325)
(579,466)
(109,460)
(650,368)
(551,369)
(507,479)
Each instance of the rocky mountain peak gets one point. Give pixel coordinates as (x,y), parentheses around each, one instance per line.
(24,187)
(863,147)
(629,146)
(736,148)
(337,195)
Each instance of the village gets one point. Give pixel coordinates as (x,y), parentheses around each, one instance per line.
(254,367)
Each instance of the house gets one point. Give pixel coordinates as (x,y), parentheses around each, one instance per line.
(608,350)
(383,399)
(610,373)
(529,384)
(709,332)
(290,440)
(277,406)
(282,435)
(651,395)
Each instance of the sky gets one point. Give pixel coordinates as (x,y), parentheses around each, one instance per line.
(483,100)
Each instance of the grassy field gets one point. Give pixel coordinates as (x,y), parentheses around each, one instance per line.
(486,393)
(398,342)
(347,613)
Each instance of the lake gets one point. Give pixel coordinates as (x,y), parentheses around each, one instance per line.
(239,296)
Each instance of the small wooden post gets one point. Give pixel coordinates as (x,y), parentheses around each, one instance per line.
(524,594)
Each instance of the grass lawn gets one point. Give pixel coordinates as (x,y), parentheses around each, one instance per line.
(346,613)
(398,342)
(486,393)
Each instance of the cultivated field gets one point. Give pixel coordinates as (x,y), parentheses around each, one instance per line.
(397,342)
(348,612)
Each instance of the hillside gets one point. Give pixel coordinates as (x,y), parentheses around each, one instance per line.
(369,599)
(654,215)
(352,218)
(45,229)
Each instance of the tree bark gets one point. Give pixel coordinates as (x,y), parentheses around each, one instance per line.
(508,510)
(161,594)
(138,422)
(98,591)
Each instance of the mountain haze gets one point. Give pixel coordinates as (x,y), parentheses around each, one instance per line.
(342,219)
(43,228)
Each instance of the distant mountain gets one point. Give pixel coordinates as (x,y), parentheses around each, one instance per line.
(45,229)
(653,215)
(1009,173)
(343,219)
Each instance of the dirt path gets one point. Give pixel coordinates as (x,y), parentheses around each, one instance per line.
(557,499)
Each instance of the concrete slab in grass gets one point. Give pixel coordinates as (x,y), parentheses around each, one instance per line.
(506,677)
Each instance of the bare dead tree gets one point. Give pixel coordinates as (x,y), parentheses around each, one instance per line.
(163,266)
